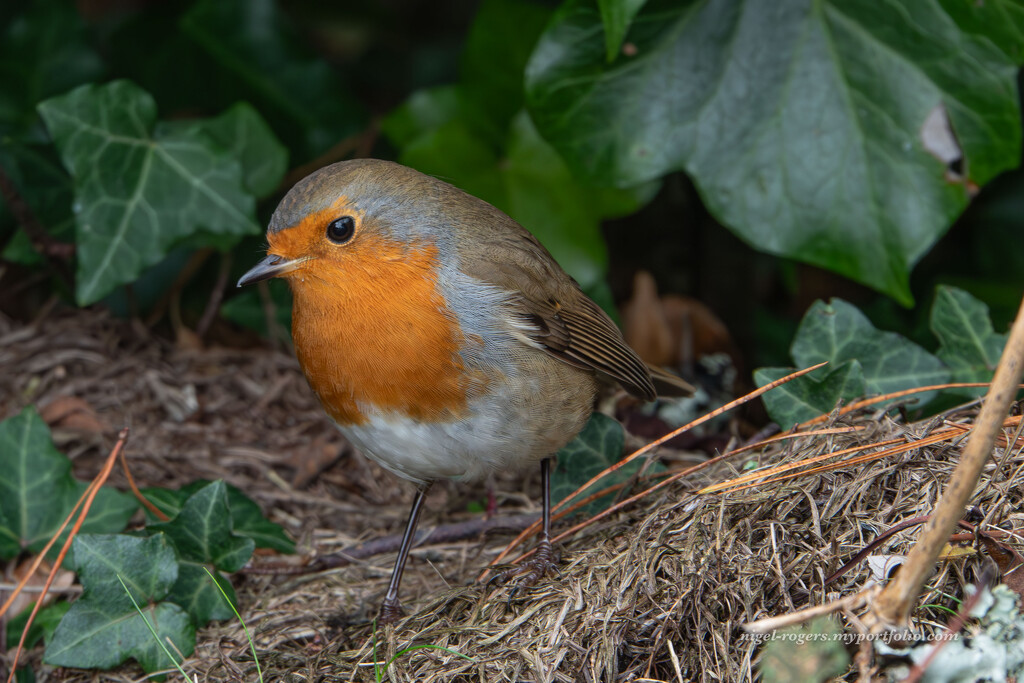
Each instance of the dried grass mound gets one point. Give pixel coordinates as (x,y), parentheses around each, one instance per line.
(658,590)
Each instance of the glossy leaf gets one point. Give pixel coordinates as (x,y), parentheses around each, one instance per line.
(246,517)
(245,136)
(498,47)
(103,628)
(837,332)
(813,130)
(969,345)
(37,490)
(202,535)
(811,395)
(139,189)
(617,15)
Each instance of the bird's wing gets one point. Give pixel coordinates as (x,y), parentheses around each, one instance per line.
(559,318)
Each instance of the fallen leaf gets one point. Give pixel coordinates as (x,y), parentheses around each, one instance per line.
(72,414)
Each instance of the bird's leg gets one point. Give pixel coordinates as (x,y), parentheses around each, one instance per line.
(391,609)
(542,563)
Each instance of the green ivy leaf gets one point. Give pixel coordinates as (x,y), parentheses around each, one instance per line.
(202,534)
(837,332)
(246,517)
(498,47)
(103,628)
(802,123)
(37,490)
(139,188)
(811,395)
(617,15)
(43,51)
(245,136)
(255,45)
(596,448)
(862,361)
(968,344)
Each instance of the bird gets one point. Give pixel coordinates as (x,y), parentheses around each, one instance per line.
(439,335)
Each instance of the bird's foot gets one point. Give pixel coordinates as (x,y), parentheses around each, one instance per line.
(528,572)
(390,611)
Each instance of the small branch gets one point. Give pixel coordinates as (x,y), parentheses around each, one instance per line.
(445,533)
(893,606)
(216,296)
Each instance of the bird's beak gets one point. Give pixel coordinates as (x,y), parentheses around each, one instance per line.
(271,266)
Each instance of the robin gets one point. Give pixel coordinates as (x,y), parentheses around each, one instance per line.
(440,336)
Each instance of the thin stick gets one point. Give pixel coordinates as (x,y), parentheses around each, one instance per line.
(893,606)
(90,494)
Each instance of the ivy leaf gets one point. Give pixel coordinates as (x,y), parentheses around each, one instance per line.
(810,395)
(968,344)
(246,517)
(498,47)
(37,490)
(617,15)
(103,628)
(862,361)
(245,136)
(139,188)
(837,332)
(594,449)
(202,535)
(844,134)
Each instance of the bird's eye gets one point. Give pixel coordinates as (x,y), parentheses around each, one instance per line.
(340,230)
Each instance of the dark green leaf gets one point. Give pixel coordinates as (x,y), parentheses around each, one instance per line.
(37,490)
(246,136)
(596,448)
(247,520)
(968,345)
(139,189)
(304,99)
(838,332)
(43,51)
(198,595)
(103,628)
(617,15)
(809,396)
(201,532)
(802,124)
(246,517)
(498,46)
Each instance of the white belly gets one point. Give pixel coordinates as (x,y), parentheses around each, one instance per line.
(501,432)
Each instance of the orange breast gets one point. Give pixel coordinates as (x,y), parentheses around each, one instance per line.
(372,330)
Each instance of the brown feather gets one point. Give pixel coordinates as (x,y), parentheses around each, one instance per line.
(569,325)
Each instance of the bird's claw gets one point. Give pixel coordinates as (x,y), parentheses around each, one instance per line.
(529,572)
(390,611)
